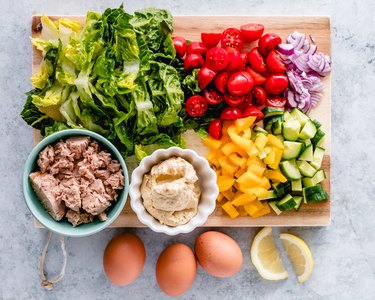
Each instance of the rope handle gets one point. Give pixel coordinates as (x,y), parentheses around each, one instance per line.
(48,283)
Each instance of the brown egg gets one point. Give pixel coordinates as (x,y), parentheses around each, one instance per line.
(124,258)
(218,254)
(176,269)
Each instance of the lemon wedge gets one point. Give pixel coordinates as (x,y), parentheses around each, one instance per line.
(299,254)
(265,256)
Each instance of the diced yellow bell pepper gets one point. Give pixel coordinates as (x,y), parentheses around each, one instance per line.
(241,210)
(238,140)
(253,207)
(256,169)
(227,166)
(261,141)
(254,152)
(226,124)
(274,141)
(275,176)
(215,162)
(262,212)
(225,183)
(220,197)
(225,139)
(265,183)
(239,173)
(247,134)
(212,143)
(229,194)
(236,185)
(230,210)
(231,147)
(244,123)
(249,178)
(218,172)
(278,156)
(270,158)
(257,191)
(237,160)
(243,199)
(255,161)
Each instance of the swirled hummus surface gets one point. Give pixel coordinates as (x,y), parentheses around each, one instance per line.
(171,191)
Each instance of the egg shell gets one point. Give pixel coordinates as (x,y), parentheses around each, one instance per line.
(218,254)
(124,258)
(176,269)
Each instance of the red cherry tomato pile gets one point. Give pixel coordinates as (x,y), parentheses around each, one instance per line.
(244,81)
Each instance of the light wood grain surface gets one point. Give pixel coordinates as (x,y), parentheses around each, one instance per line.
(190,27)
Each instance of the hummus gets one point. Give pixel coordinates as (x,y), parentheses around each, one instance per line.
(171,192)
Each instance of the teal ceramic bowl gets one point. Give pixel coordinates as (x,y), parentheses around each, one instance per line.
(63,227)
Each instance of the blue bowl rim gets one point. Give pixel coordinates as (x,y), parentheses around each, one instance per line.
(64,134)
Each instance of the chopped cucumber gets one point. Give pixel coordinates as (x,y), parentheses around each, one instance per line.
(270,111)
(291,130)
(274,207)
(317,124)
(290,170)
(318,178)
(277,127)
(273,119)
(308,131)
(320,144)
(307,142)
(307,154)
(260,129)
(300,116)
(286,203)
(318,158)
(314,193)
(306,169)
(279,189)
(292,149)
(256,133)
(298,200)
(287,187)
(319,135)
(287,116)
(296,187)
(270,195)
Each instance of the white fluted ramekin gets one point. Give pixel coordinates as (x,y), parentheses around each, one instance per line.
(207,182)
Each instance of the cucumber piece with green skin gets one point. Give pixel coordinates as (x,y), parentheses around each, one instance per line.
(307,142)
(287,116)
(317,124)
(270,111)
(291,130)
(279,189)
(320,144)
(318,178)
(260,129)
(318,158)
(286,203)
(314,193)
(298,200)
(307,154)
(296,187)
(292,149)
(274,207)
(306,169)
(268,122)
(256,133)
(290,170)
(270,195)
(287,187)
(277,127)
(300,116)
(319,135)
(308,131)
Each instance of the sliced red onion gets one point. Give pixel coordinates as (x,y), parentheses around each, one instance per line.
(291,98)
(300,60)
(312,38)
(285,49)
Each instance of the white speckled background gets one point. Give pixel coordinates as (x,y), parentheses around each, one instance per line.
(344,253)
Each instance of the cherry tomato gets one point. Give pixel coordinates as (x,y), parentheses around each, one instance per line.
(253,111)
(232,100)
(216,59)
(274,62)
(193,61)
(240,83)
(210,40)
(257,77)
(196,106)
(256,60)
(234,59)
(197,48)
(230,113)
(268,42)
(243,63)
(276,84)
(205,76)
(252,32)
(180,45)
(276,101)
(221,80)
(260,96)
(246,102)
(212,96)
(215,129)
(231,37)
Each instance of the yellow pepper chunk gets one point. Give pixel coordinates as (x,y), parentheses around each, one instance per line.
(243,199)
(247,134)
(278,156)
(220,197)
(261,141)
(231,147)
(225,183)
(275,176)
(238,160)
(227,166)
(230,210)
(244,123)
(253,207)
(238,140)
(270,158)
(212,143)
(249,178)
(262,212)
(256,169)
(239,173)
(257,191)
(241,210)
(229,194)
(225,127)
(265,183)
(274,141)
(254,152)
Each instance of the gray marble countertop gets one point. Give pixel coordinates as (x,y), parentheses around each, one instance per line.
(344,252)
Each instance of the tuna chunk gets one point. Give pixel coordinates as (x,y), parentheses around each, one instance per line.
(62,165)
(46,158)
(47,189)
(62,151)
(77,145)
(77,218)
(102,217)
(86,173)
(70,194)
(102,174)
(114,166)
(116,181)
(94,203)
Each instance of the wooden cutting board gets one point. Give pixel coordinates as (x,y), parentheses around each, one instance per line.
(190,27)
